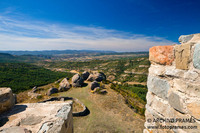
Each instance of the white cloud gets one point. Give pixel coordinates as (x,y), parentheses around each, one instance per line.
(16,34)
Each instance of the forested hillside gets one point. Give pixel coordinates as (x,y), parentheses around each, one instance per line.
(21,76)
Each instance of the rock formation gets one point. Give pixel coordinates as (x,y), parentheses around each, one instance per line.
(173,98)
(97,76)
(64,85)
(52,91)
(48,117)
(85,75)
(7,99)
(77,81)
(94,85)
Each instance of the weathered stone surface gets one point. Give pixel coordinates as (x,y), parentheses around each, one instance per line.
(163,55)
(185,38)
(7,99)
(158,86)
(15,129)
(94,85)
(191,75)
(195,38)
(182,53)
(196,56)
(77,81)
(63,124)
(189,121)
(194,109)
(49,117)
(189,88)
(173,72)
(64,85)
(98,76)
(31,120)
(85,75)
(149,98)
(156,70)
(52,91)
(176,102)
(165,110)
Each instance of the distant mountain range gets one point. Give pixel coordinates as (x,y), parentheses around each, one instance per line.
(34,56)
(56,52)
(4,57)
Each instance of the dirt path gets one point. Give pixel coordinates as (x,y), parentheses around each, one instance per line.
(133,83)
(108,113)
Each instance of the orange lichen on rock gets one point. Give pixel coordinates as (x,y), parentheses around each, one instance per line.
(163,55)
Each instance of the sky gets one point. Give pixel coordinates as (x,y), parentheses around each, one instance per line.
(117,25)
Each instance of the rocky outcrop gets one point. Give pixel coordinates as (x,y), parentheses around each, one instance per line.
(85,75)
(47,117)
(97,76)
(94,85)
(52,91)
(64,85)
(77,81)
(15,129)
(173,98)
(7,99)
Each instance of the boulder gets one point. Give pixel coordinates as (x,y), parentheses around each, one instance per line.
(52,91)
(98,76)
(44,117)
(64,85)
(94,85)
(77,81)
(85,75)
(7,99)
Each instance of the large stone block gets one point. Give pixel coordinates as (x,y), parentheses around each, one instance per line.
(162,54)
(47,117)
(176,102)
(157,70)
(173,72)
(194,38)
(191,75)
(7,99)
(196,56)
(162,107)
(158,86)
(182,53)
(185,38)
(186,87)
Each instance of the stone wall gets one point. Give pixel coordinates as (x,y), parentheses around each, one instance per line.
(173,98)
